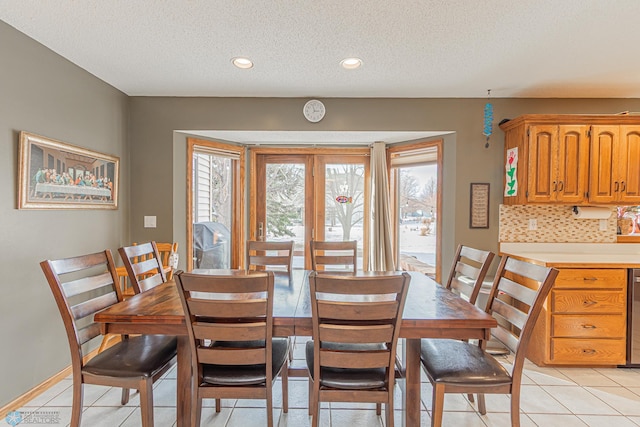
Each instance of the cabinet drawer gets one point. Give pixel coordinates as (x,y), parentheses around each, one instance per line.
(586,301)
(591,326)
(588,352)
(606,278)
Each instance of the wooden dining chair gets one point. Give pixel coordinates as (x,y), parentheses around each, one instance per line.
(518,293)
(144,266)
(468,270)
(167,251)
(82,286)
(269,255)
(356,323)
(230,327)
(334,256)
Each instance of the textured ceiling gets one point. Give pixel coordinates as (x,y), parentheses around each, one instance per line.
(410,48)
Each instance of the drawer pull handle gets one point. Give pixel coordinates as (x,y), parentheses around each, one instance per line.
(589,326)
(588,351)
(589,302)
(590,279)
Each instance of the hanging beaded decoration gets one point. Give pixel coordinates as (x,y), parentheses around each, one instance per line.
(488,119)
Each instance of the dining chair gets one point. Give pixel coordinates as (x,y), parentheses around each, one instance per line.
(230,326)
(82,286)
(144,266)
(518,293)
(141,268)
(269,255)
(356,323)
(468,270)
(334,256)
(167,252)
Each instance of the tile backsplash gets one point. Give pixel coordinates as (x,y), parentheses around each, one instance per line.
(554,224)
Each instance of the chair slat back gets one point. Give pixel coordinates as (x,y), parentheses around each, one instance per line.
(81,287)
(228,308)
(267,255)
(356,319)
(144,266)
(469,268)
(516,299)
(334,256)
(165,250)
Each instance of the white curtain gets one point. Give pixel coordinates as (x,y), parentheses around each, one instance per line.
(380,252)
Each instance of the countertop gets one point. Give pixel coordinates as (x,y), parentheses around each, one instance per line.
(576,255)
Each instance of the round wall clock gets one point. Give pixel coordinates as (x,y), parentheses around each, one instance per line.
(314,110)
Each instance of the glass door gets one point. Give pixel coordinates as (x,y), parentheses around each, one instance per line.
(308,196)
(284,205)
(341,216)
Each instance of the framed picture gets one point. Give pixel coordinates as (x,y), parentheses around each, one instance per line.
(479,206)
(56,175)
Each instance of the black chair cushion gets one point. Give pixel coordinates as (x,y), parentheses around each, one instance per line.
(137,356)
(236,375)
(459,362)
(348,379)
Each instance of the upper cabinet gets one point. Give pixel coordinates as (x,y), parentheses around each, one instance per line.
(558,163)
(577,160)
(615,165)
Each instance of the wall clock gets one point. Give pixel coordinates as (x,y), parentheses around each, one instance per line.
(314,110)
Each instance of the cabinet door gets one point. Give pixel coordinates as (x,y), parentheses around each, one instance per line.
(627,164)
(573,163)
(602,183)
(542,184)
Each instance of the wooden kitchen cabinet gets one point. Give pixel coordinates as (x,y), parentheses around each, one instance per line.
(583,322)
(615,165)
(575,159)
(558,163)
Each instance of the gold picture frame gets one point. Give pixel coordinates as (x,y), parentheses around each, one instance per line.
(57,175)
(479,205)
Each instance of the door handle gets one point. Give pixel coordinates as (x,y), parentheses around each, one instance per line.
(623,186)
(555,186)
(561,187)
(260,231)
(616,187)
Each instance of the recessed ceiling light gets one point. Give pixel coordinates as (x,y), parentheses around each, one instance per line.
(241,62)
(351,63)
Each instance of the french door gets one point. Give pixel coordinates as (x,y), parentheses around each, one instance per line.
(305,194)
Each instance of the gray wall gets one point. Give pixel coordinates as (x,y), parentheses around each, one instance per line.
(42,93)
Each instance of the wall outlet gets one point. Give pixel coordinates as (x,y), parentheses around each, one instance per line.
(604,225)
(533,224)
(149,222)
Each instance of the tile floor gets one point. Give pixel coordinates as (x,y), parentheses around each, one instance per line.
(550,397)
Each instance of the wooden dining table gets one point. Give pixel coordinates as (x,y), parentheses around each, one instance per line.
(431,311)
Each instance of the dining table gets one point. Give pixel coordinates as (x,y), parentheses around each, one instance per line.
(431,311)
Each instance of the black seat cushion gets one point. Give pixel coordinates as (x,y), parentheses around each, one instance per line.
(458,362)
(137,356)
(230,375)
(348,379)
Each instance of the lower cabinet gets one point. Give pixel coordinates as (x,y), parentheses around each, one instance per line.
(583,322)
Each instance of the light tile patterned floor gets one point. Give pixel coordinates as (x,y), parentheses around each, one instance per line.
(550,397)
